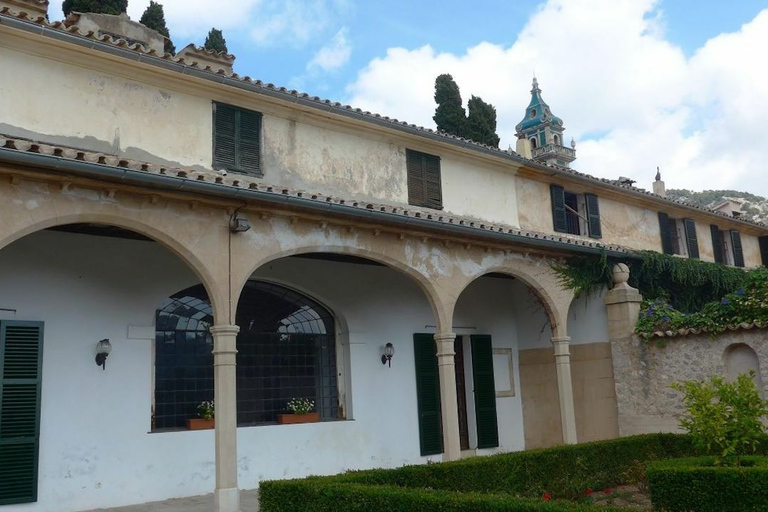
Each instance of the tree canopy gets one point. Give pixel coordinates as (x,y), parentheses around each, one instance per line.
(450,115)
(215,41)
(154,18)
(96,6)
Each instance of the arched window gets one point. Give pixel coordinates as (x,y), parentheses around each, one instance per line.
(286,349)
(533,142)
(557,140)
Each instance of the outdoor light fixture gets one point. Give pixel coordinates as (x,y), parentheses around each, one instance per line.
(389,351)
(239,224)
(103,348)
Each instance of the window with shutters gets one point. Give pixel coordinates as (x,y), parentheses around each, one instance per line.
(424,185)
(726,246)
(236,139)
(678,236)
(576,214)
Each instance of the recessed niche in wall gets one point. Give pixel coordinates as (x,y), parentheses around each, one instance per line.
(503,372)
(741,358)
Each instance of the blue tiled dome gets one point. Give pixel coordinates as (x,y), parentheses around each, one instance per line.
(538,112)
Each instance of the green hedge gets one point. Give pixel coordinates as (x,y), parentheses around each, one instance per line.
(695,485)
(316,495)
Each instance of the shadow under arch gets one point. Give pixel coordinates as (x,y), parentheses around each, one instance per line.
(163,238)
(438,306)
(557,324)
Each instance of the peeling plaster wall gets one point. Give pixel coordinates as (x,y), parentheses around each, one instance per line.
(84,109)
(482,192)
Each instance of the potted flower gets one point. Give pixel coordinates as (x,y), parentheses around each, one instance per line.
(207,412)
(300,410)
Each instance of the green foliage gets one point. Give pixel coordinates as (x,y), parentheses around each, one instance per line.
(154,18)
(723,418)
(707,197)
(481,124)
(585,274)
(450,116)
(697,485)
(215,41)
(745,305)
(95,6)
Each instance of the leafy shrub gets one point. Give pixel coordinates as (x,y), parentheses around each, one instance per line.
(723,418)
(698,485)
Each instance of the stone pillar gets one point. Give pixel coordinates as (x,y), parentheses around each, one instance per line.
(446,365)
(622,305)
(565,387)
(226,495)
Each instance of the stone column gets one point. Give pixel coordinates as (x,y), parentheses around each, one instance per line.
(622,304)
(446,365)
(565,387)
(226,495)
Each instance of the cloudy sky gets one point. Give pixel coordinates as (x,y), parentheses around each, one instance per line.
(680,84)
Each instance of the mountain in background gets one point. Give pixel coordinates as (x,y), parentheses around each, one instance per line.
(755,208)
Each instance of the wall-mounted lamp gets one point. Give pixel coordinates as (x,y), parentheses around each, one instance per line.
(238,224)
(103,349)
(389,351)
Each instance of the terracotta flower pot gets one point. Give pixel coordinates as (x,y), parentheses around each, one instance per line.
(288,419)
(200,424)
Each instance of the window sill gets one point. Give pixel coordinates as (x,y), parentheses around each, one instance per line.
(250,425)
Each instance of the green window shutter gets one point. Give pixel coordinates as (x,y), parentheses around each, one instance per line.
(236,139)
(666,234)
(559,219)
(717,243)
(485,392)
(224,137)
(738,251)
(249,142)
(593,216)
(690,238)
(428,394)
(424,181)
(21,362)
(764,249)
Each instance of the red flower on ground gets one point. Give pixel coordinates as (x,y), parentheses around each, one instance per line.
(587,491)
(607,491)
(547,496)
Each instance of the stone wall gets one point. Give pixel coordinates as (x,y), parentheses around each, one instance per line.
(644,371)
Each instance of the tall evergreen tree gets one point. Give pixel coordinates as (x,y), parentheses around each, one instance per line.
(215,41)
(449,115)
(481,124)
(97,6)
(154,18)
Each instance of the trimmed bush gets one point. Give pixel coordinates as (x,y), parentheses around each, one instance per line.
(697,485)
(316,495)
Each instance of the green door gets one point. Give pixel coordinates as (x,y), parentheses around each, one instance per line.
(21,361)
(485,391)
(428,394)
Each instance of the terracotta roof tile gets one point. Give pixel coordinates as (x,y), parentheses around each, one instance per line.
(690,331)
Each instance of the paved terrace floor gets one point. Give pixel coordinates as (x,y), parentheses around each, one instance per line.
(249,502)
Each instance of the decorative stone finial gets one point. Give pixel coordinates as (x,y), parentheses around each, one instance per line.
(535,82)
(573,143)
(620,274)
(658,173)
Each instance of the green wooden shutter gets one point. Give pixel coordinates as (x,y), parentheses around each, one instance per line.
(717,243)
(485,392)
(432,181)
(593,216)
(21,362)
(249,142)
(738,251)
(764,249)
(428,394)
(666,234)
(224,137)
(691,240)
(424,182)
(559,220)
(417,193)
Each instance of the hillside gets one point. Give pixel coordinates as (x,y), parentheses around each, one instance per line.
(755,207)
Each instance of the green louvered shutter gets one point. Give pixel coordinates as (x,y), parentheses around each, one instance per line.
(559,219)
(593,216)
(21,362)
(249,142)
(691,240)
(717,243)
(764,249)
(738,251)
(236,139)
(666,234)
(424,182)
(428,394)
(224,137)
(485,392)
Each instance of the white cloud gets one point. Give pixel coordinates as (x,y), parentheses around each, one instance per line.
(606,68)
(333,55)
(295,22)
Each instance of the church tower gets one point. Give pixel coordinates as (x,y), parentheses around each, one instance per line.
(544,131)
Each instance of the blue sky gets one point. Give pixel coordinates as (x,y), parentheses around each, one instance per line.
(639,83)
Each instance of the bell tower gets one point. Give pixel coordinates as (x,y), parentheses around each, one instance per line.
(544,131)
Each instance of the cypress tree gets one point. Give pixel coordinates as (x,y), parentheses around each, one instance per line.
(154,18)
(449,115)
(481,124)
(95,6)
(215,41)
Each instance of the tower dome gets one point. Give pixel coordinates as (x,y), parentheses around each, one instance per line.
(544,131)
